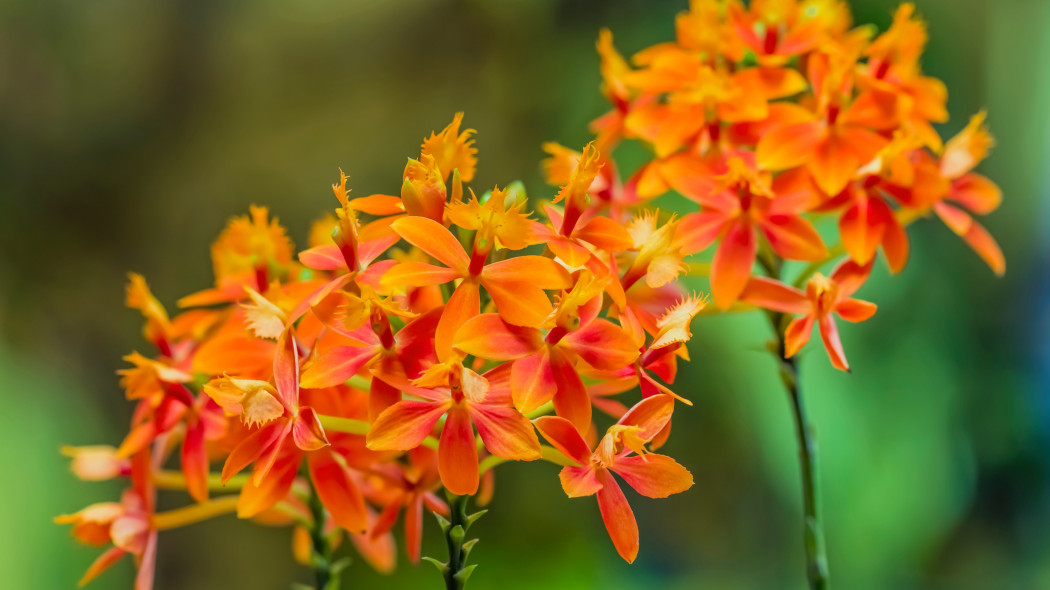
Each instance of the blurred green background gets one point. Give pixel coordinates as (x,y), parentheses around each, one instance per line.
(131,131)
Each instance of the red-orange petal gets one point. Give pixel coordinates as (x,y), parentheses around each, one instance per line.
(602,345)
(489,337)
(788,146)
(833,164)
(434,239)
(195,461)
(579,481)
(571,401)
(404,425)
(564,436)
(257,497)
(338,491)
(772,294)
(855,310)
(418,274)
(458,454)
(286,370)
(618,517)
(537,271)
(651,415)
(464,304)
(797,335)
(505,432)
(829,333)
(793,237)
(532,381)
(334,366)
(732,264)
(652,475)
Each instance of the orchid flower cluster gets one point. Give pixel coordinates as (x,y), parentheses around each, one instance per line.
(395,356)
(774,116)
(424,338)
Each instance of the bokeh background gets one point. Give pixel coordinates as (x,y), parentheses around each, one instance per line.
(131,131)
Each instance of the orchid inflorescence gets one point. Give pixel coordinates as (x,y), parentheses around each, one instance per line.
(423,339)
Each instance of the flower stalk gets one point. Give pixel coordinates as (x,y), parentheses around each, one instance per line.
(455,571)
(813,529)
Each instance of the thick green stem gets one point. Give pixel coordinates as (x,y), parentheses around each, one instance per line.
(813,530)
(455,571)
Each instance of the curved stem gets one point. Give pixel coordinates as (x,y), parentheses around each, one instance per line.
(813,534)
(813,530)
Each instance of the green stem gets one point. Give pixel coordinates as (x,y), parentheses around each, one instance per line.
(322,549)
(813,531)
(455,571)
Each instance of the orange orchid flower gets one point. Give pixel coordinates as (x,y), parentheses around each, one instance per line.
(823,297)
(744,203)
(250,251)
(516,285)
(970,190)
(284,428)
(127,525)
(467,400)
(544,359)
(621,451)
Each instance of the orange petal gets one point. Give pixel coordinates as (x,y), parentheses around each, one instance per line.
(338,491)
(774,295)
(251,448)
(976,193)
(829,332)
(100,565)
(697,231)
(532,381)
(521,304)
(793,237)
(458,454)
(259,497)
(986,247)
(618,517)
(833,164)
(324,257)
(418,274)
(579,481)
(797,335)
(404,425)
(652,475)
(537,271)
(195,462)
(336,365)
(894,242)
(505,432)
(651,415)
(434,239)
(602,345)
(850,276)
(487,336)
(606,234)
(788,146)
(307,432)
(381,395)
(380,551)
(855,310)
(464,304)
(732,264)
(378,205)
(562,435)
(286,370)
(861,230)
(571,401)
